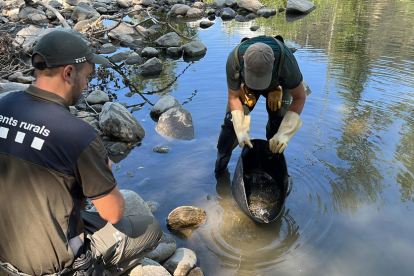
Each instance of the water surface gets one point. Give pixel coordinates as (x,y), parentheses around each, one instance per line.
(351,208)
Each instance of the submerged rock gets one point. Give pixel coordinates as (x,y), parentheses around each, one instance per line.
(186,217)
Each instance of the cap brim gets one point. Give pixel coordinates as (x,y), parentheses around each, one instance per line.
(97,59)
(257,83)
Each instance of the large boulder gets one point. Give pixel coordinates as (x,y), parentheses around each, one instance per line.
(169,40)
(163,104)
(176,123)
(250,5)
(116,121)
(181,262)
(299,6)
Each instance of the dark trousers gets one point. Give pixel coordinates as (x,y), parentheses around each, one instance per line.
(119,247)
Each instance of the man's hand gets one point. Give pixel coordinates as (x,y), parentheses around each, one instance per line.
(241,124)
(290,124)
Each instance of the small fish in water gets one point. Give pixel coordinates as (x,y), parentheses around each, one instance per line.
(259,208)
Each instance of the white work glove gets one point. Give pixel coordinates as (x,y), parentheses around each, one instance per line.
(290,124)
(241,124)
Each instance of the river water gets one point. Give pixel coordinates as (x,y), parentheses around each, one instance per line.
(351,208)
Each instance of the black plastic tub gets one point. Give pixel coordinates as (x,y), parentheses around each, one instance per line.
(260,183)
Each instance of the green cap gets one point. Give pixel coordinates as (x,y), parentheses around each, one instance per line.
(60,48)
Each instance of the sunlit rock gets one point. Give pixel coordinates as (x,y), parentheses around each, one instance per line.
(250,5)
(97,96)
(163,104)
(181,262)
(151,67)
(164,250)
(149,267)
(176,123)
(185,217)
(116,121)
(194,13)
(299,6)
(83,25)
(122,4)
(196,272)
(199,5)
(169,40)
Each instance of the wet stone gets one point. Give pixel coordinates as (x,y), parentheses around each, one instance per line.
(130,174)
(206,24)
(254,28)
(161,149)
(186,217)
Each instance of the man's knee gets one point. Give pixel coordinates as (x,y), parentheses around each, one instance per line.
(147,228)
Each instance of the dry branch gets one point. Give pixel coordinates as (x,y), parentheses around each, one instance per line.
(58,15)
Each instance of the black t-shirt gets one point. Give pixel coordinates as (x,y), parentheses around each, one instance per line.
(50,161)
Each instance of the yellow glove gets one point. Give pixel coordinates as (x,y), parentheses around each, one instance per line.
(274,99)
(247,96)
(290,124)
(241,124)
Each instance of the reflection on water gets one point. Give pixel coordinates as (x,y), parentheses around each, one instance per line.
(350,210)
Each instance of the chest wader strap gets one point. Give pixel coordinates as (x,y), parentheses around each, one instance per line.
(247,96)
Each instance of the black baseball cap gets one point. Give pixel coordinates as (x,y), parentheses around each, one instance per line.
(60,48)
